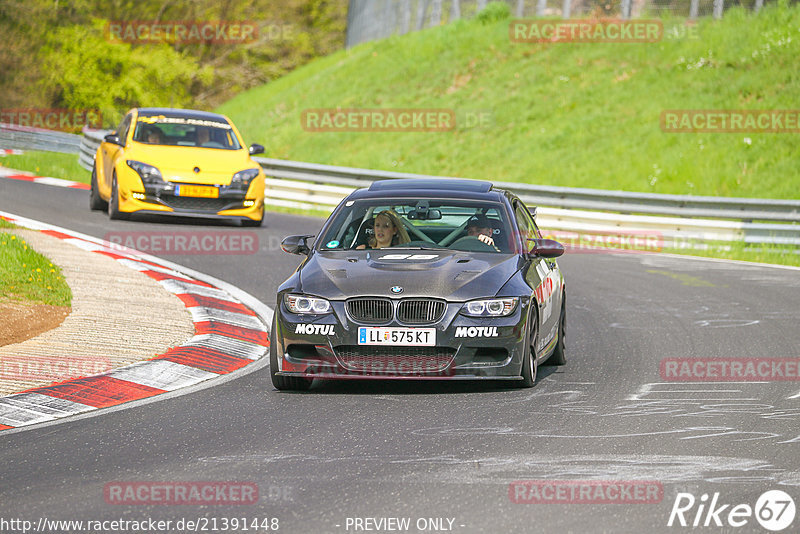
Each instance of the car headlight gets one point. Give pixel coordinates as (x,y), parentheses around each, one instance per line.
(304,304)
(490,307)
(148,173)
(242,179)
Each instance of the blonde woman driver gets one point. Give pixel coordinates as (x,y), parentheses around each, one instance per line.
(389,231)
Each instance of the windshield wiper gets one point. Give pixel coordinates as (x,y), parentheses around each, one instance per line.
(421,247)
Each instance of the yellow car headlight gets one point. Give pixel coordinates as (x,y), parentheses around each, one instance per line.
(242,179)
(149,174)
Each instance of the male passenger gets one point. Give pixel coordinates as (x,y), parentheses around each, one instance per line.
(203,136)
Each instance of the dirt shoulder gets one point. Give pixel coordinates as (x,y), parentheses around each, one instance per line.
(23,320)
(119,316)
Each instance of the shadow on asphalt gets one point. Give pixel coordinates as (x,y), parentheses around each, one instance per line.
(182,221)
(352,386)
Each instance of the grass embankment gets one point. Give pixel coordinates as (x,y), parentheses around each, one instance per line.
(26,275)
(55,164)
(570,114)
(738,250)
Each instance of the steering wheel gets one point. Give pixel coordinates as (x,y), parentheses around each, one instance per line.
(452,235)
(471,243)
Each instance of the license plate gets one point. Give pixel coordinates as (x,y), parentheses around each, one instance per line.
(404,337)
(196,191)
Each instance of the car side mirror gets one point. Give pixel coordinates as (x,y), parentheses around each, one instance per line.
(296,244)
(113,138)
(255,148)
(546,248)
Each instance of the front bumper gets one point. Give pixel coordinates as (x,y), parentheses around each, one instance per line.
(327,346)
(232,203)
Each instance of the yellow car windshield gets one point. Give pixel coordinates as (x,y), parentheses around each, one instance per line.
(180,131)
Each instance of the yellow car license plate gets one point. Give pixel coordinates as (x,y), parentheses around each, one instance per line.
(197,191)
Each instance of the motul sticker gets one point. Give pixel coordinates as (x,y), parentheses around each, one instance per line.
(476,331)
(315,329)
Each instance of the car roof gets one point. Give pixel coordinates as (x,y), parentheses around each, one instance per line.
(431,188)
(183,113)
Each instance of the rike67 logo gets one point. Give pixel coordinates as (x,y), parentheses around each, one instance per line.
(774,510)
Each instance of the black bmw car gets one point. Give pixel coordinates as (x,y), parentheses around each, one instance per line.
(421,279)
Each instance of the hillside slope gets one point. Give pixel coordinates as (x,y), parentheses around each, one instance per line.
(573,114)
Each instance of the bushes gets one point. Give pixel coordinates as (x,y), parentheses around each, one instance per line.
(82,70)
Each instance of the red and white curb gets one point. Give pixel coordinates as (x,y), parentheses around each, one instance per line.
(13,174)
(230,333)
(10,152)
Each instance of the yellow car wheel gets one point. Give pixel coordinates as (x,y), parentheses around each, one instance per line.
(96,202)
(113,205)
(250,223)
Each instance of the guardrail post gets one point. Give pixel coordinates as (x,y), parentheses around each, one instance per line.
(541,6)
(455,10)
(436,13)
(759,5)
(566,9)
(626,9)
(693,8)
(719,5)
(422,7)
(520,8)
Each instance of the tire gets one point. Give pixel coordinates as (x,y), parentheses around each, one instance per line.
(113,206)
(529,365)
(283,383)
(559,357)
(250,223)
(96,202)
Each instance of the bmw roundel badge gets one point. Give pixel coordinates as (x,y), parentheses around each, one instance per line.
(397,290)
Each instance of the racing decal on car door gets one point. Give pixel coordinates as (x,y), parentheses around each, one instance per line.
(544,295)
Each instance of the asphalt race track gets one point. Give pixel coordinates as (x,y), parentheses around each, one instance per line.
(351,449)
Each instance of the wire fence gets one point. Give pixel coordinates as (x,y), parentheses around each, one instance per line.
(368,20)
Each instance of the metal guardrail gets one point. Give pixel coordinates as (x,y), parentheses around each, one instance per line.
(88,147)
(682,221)
(679,221)
(746,209)
(24,138)
(679,232)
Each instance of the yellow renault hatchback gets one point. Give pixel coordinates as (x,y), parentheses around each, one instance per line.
(178,162)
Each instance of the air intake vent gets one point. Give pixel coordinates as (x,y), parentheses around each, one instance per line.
(370,310)
(395,360)
(420,311)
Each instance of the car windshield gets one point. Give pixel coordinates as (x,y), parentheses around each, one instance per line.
(433,223)
(185,131)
